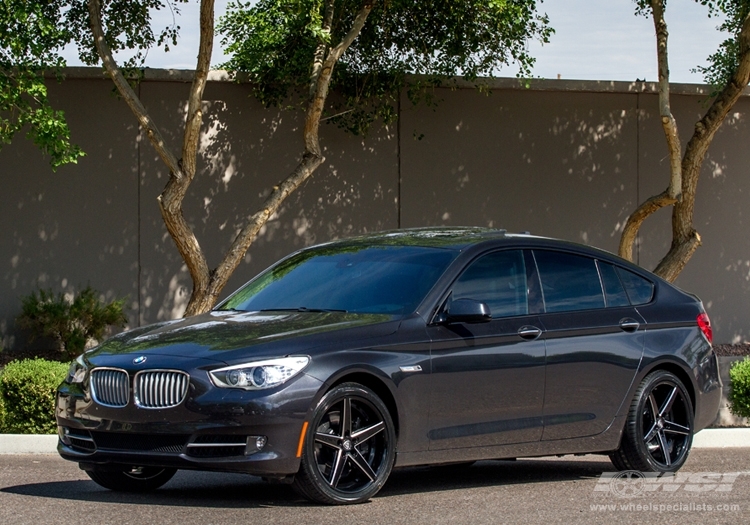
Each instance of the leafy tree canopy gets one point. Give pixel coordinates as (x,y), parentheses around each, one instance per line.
(726,60)
(32,34)
(272,42)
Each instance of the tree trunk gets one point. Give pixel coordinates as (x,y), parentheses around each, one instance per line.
(324,61)
(207,285)
(685,240)
(672,193)
(181,172)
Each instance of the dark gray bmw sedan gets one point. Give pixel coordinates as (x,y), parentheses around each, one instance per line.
(412,347)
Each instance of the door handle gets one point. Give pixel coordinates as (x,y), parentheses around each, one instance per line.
(629,325)
(529,332)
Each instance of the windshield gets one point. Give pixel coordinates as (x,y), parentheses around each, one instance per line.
(353,278)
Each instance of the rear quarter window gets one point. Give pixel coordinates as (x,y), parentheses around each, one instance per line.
(613,288)
(640,290)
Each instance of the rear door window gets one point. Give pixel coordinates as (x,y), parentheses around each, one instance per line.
(569,282)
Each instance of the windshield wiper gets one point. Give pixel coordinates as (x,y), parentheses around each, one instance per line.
(301,309)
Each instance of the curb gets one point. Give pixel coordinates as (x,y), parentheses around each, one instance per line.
(41,444)
(28,444)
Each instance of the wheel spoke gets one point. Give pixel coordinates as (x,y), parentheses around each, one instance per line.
(364,434)
(654,406)
(338,468)
(675,428)
(327,439)
(651,433)
(361,462)
(346,418)
(664,448)
(669,402)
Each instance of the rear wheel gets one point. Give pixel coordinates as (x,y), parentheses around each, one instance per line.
(132,479)
(349,449)
(659,430)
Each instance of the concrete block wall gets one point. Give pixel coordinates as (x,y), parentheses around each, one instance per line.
(564,159)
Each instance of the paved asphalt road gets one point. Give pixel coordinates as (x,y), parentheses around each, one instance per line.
(42,489)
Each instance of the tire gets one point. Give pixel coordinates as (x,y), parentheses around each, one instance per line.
(132,479)
(349,448)
(659,429)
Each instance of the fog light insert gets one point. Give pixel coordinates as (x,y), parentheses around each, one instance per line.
(255,444)
(63,432)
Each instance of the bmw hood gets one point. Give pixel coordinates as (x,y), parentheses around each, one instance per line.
(230,335)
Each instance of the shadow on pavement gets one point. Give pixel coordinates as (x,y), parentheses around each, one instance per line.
(221,490)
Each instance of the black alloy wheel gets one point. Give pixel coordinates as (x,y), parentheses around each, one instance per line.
(132,479)
(349,449)
(659,429)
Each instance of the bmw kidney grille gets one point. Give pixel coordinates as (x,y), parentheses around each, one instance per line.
(110,387)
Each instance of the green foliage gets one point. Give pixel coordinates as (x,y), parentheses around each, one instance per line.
(739,393)
(29,38)
(70,323)
(725,61)
(127,27)
(2,409)
(33,33)
(273,44)
(27,389)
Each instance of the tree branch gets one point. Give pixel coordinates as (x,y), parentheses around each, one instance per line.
(195,113)
(685,240)
(706,128)
(634,222)
(320,51)
(667,119)
(311,159)
(318,99)
(127,93)
(170,201)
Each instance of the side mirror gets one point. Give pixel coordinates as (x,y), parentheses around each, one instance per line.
(468,311)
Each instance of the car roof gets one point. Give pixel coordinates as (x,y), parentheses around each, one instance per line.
(462,237)
(437,237)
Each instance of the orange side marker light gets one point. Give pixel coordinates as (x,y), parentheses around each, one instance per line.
(301,439)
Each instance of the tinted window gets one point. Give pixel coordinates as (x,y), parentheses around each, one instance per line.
(639,289)
(353,278)
(613,289)
(498,279)
(569,282)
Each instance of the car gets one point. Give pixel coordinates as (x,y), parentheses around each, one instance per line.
(413,347)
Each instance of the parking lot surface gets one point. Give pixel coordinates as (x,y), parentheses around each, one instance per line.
(713,487)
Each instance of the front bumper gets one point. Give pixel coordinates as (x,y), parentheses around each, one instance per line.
(215,429)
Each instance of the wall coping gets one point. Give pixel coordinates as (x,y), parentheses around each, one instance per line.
(501,83)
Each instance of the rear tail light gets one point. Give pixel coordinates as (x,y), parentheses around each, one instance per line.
(704,323)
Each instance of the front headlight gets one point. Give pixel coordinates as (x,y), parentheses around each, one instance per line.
(77,371)
(259,374)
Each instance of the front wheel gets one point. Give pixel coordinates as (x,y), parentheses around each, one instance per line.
(659,428)
(132,479)
(349,448)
